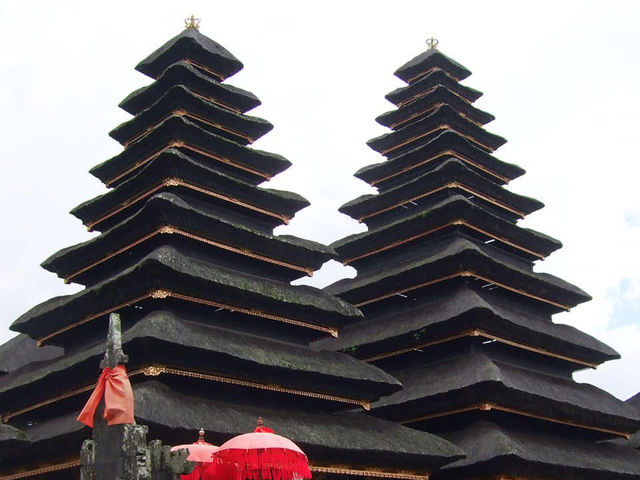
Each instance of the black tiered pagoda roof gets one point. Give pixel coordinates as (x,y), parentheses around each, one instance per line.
(215,332)
(453,307)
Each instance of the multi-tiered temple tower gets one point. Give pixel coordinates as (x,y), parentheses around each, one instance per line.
(215,333)
(453,307)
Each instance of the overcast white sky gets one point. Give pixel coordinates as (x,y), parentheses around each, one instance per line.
(562,79)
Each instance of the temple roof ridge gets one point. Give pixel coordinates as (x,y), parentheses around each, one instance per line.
(194,46)
(428,60)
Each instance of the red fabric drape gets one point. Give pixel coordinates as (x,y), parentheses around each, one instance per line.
(114,385)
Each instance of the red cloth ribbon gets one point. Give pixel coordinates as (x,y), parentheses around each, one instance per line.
(118,398)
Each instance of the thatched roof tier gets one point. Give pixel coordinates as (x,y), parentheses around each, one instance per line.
(52,441)
(164,336)
(421,87)
(424,105)
(634,401)
(421,131)
(465,310)
(207,115)
(493,451)
(11,439)
(477,379)
(344,439)
(456,257)
(185,74)
(214,233)
(235,159)
(428,221)
(174,170)
(428,61)
(190,45)
(22,350)
(450,175)
(168,273)
(416,162)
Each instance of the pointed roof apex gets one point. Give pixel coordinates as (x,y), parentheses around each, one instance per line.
(194,47)
(429,60)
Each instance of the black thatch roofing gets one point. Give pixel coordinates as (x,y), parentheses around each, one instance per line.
(173,163)
(417,109)
(168,209)
(164,337)
(410,164)
(390,144)
(353,439)
(12,441)
(493,450)
(11,435)
(182,73)
(424,218)
(427,60)
(21,350)
(179,129)
(236,127)
(169,268)
(461,310)
(475,379)
(191,45)
(450,170)
(420,87)
(446,257)
(634,401)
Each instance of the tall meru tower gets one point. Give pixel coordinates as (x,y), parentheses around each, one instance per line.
(215,333)
(453,307)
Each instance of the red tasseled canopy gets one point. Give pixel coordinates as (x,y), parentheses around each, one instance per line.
(261,455)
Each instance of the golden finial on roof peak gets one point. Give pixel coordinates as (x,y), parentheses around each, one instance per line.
(192,22)
(433,43)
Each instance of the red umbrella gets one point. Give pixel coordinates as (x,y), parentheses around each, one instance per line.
(261,455)
(200,452)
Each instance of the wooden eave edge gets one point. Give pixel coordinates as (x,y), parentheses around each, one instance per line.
(335,470)
(165,293)
(477,332)
(444,153)
(42,470)
(495,406)
(184,113)
(452,223)
(427,110)
(463,273)
(444,126)
(430,70)
(430,90)
(451,184)
(156,370)
(172,230)
(359,472)
(178,144)
(178,182)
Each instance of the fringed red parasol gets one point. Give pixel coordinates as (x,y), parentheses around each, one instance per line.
(261,455)
(200,452)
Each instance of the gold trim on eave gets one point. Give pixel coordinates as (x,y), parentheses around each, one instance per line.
(156,370)
(368,473)
(162,294)
(464,273)
(171,230)
(42,470)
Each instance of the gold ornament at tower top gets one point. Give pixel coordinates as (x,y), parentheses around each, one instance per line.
(192,22)
(433,43)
